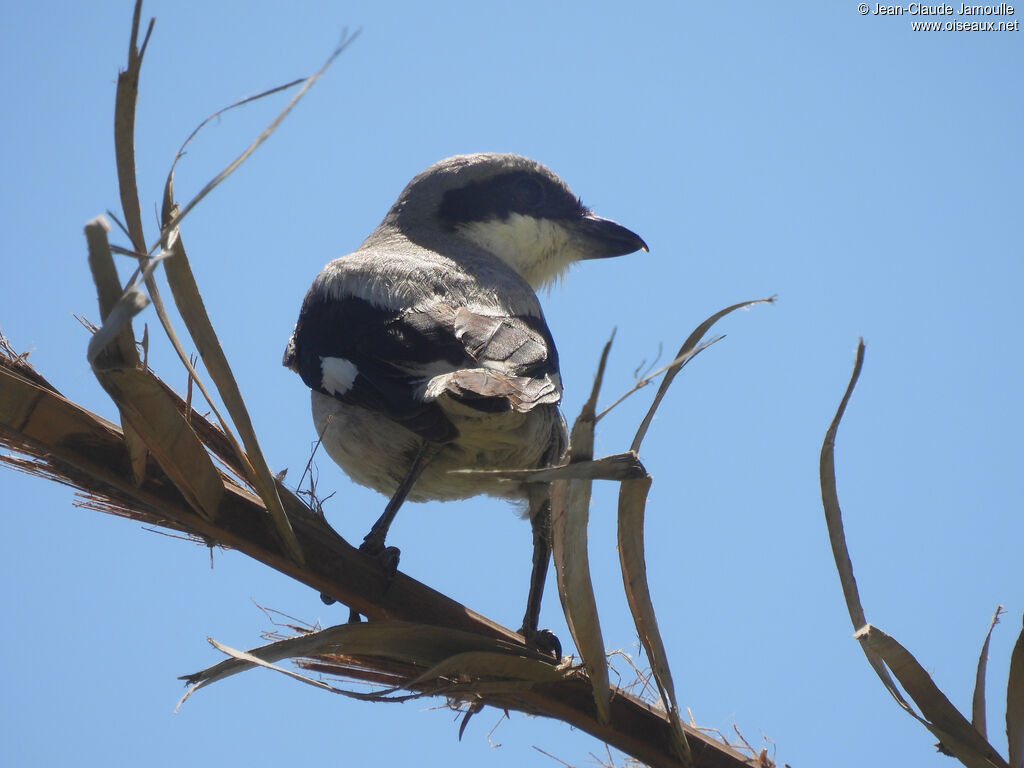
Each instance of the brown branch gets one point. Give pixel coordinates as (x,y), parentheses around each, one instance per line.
(89,452)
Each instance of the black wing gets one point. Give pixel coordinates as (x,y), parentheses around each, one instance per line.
(495,363)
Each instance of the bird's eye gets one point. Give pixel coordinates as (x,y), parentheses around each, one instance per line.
(527,193)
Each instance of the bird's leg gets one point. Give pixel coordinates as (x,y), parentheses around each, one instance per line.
(541,525)
(374,542)
(543,640)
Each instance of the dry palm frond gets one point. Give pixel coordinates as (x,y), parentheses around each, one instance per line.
(168,466)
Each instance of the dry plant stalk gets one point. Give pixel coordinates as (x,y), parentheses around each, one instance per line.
(448,649)
(168,466)
(964,739)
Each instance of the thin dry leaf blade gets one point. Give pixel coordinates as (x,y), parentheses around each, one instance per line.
(254,661)
(109,292)
(619,466)
(249,660)
(292,647)
(175,220)
(632,506)
(408,642)
(1015,704)
(421,644)
(124,133)
(682,357)
(476,666)
(955,733)
(830,502)
(570,508)
(167,435)
(643,382)
(261,476)
(978,719)
(840,551)
(197,321)
(500,669)
(570,513)
(120,317)
(108,285)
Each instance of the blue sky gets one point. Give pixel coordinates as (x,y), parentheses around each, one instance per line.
(869,175)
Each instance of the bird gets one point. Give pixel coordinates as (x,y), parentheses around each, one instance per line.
(426,349)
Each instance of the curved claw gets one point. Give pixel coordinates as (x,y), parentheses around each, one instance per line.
(544,641)
(388,558)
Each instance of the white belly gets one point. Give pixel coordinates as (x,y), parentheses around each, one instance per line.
(376,452)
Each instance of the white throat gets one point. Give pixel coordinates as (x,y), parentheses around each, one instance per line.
(540,250)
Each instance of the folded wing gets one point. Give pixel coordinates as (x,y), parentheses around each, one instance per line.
(403,363)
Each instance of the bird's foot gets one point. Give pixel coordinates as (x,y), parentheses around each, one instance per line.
(543,641)
(387,556)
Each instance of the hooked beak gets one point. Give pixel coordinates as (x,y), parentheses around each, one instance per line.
(602,238)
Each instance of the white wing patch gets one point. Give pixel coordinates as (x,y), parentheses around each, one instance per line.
(337,374)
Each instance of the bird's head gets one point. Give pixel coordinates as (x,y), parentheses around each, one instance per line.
(513,208)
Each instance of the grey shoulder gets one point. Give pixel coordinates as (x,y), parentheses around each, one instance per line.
(402,274)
